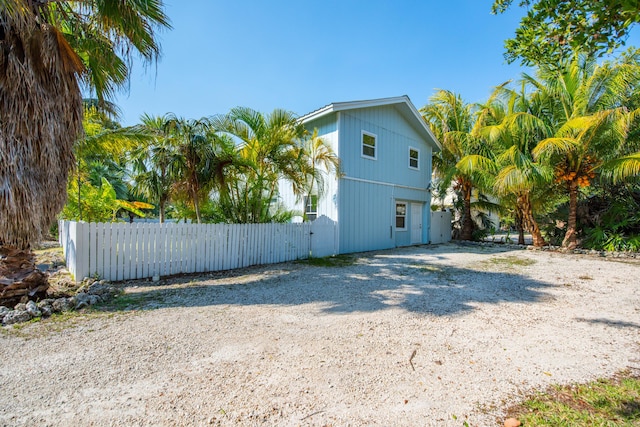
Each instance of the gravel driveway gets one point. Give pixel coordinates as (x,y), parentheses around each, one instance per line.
(429,335)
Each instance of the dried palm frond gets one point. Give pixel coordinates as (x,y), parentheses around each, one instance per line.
(38,69)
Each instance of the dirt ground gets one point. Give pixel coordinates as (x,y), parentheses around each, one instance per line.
(429,335)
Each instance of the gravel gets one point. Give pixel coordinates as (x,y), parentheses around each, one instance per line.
(429,335)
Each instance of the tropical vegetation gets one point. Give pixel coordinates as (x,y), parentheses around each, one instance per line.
(553,30)
(50,51)
(547,147)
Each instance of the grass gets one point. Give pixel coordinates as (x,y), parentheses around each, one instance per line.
(605,402)
(440,272)
(510,261)
(57,322)
(330,261)
(129,302)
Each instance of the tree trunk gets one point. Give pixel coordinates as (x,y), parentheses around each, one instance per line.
(530,221)
(520,224)
(570,239)
(161,211)
(196,206)
(19,276)
(467,222)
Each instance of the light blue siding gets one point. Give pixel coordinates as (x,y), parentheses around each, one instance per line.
(366,216)
(394,137)
(367,192)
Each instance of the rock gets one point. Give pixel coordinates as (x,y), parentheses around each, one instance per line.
(82,300)
(3,312)
(43,267)
(94,299)
(33,310)
(98,289)
(21,307)
(16,316)
(63,304)
(511,422)
(46,310)
(45,302)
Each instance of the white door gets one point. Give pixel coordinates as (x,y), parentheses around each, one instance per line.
(416,223)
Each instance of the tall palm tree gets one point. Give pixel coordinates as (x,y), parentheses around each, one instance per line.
(516,132)
(201,158)
(152,163)
(269,147)
(48,50)
(195,155)
(455,123)
(592,125)
(320,161)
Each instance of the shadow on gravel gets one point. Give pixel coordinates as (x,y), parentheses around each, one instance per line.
(613,323)
(375,281)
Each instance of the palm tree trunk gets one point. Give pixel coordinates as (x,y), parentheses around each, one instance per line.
(196,206)
(162,203)
(570,240)
(467,222)
(520,224)
(19,276)
(530,222)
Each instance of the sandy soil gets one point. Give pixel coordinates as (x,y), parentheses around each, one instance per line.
(431,335)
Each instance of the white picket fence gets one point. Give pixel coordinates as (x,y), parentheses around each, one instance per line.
(123,251)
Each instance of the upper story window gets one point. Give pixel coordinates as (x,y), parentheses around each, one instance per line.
(414,158)
(369,145)
(311,207)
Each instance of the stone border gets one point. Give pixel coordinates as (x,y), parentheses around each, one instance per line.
(550,248)
(90,293)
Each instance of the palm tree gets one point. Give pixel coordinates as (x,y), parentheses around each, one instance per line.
(99,152)
(48,50)
(194,157)
(321,160)
(516,132)
(202,157)
(269,147)
(152,164)
(592,125)
(455,123)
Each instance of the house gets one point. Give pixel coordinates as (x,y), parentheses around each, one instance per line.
(381,199)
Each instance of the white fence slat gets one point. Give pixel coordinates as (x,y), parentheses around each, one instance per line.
(93,248)
(100,248)
(174,254)
(143,252)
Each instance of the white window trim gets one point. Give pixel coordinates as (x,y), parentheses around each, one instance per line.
(375,148)
(307,205)
(406,215)
(418,150)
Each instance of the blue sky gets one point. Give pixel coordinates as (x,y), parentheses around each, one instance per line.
(301,55)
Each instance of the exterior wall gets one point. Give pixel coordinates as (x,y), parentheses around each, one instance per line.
(368,215)
(328,203)
(394,137)
(363,200)
(370,188)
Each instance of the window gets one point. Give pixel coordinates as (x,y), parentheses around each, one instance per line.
(368,145)
(414,158)
(311,207)
(401,216)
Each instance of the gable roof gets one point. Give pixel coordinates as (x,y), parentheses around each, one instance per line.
(402,104)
